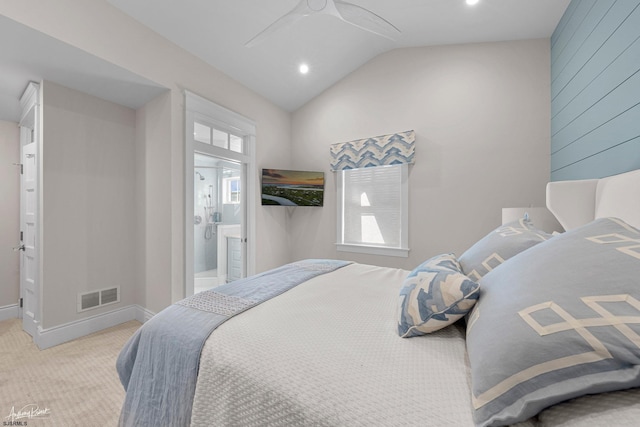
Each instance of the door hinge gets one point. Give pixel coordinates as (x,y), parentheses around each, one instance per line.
(21,167)
(20,302)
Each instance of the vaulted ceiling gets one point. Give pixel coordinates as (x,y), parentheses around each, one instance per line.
(217,32)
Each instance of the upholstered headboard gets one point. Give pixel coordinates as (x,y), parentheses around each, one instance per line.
(575,203)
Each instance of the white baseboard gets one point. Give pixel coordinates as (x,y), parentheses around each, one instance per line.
(8,312)
(50,337)
(143,315)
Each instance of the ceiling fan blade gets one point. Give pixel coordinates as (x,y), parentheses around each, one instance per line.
(366,20)
(298,12)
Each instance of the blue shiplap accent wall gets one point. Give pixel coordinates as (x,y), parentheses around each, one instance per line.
(595,90)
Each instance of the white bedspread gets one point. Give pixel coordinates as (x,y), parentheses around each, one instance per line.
(615,409)
(327,354)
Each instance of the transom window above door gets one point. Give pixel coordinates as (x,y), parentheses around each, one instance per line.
(210,135)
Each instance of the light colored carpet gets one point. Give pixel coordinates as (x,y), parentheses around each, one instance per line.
(77,381)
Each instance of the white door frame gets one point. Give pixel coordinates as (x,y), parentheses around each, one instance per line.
(30,216)
(201,109)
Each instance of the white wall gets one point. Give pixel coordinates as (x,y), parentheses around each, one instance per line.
(480,111)
(153,162)
(89,205)
(481,116)
(104,31)
(9,213)
(140,168)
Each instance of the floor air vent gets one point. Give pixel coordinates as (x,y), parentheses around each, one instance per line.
(95,299)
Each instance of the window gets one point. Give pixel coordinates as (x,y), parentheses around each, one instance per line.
(201,133)
(373,210)
(219,138)
(210,135)
(231,190)
(235,143)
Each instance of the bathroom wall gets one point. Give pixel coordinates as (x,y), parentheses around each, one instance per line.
(231,212)
(204,235)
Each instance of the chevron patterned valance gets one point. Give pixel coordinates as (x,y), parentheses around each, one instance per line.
(394,149)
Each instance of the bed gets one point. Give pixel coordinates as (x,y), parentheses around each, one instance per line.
(550,335)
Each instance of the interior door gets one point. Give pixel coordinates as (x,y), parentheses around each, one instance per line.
(28,227)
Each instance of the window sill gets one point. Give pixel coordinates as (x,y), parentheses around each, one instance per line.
(373,250)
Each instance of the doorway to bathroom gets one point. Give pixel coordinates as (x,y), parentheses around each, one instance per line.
(217,221)
(220,195)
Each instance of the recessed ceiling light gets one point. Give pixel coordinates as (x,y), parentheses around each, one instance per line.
(472,2)
(304,68)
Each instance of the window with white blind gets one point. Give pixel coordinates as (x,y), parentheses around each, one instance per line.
(373,210)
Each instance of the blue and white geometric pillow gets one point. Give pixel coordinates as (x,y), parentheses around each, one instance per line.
(558,321)
(439,262)
(435,295)
(498,246)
